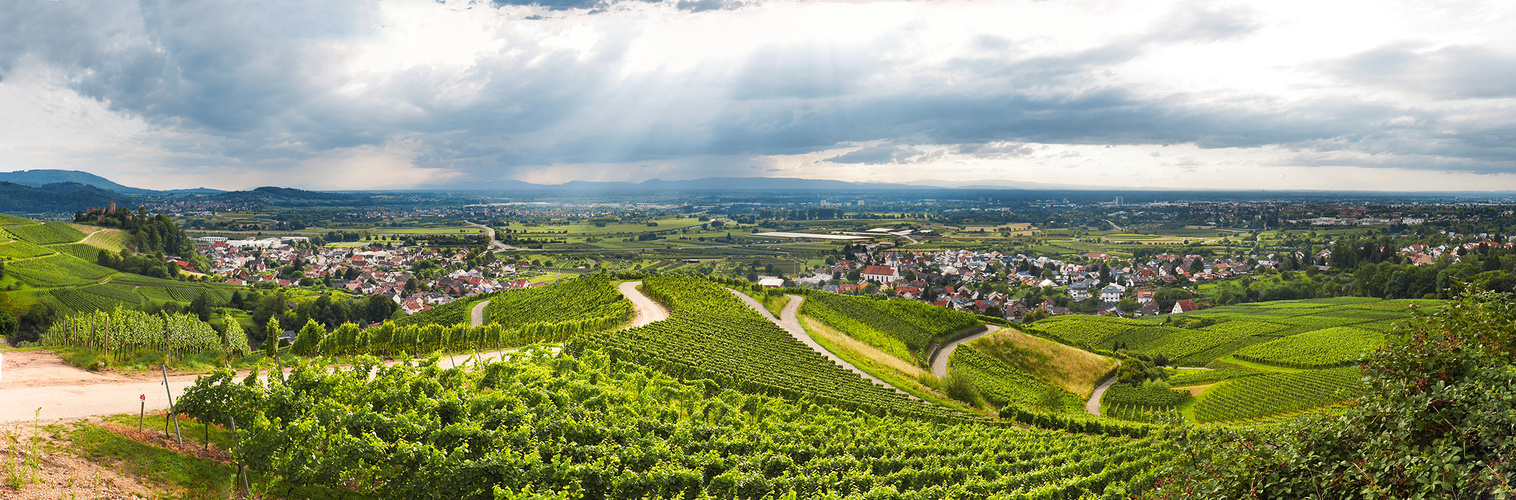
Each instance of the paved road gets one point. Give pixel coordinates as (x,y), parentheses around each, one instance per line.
(940,363)
(1093,405)
(476,316)
(648,310)
(789,320)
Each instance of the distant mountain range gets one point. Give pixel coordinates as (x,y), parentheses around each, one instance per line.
(38,178)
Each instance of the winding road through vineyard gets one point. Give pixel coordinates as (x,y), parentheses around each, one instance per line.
(790,322)
(940,360)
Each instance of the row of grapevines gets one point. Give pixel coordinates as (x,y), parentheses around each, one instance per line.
(1144,414)
(47,233)
(75,300)
(1004,385)
(391,339)
(1220,371)
(1152,395)
(593,427)
(916,324)
(1276,393)
(1183,343)
(123,331)
(856,329)
(1330,347)
(711,334)
(22,250)
(592,296)
(56,270)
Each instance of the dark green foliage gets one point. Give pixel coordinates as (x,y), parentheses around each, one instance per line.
(7,323)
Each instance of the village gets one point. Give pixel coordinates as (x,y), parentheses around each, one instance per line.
(388,271)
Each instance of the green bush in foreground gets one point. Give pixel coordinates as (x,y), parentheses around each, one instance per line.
(1436,423)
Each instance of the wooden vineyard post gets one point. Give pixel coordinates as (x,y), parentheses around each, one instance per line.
(142,414)
(240,471)
(171,412)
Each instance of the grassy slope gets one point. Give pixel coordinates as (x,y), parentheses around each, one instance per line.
(1075,370)
(892,370)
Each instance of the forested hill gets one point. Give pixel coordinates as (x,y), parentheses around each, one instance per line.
(54,198)
(157,234)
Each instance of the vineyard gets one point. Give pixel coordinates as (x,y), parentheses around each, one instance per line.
(449,314)
(46,233)
(1326,348)
(1277,393)
(1220,371)
(596,427)
(57,270)
(587,298)
(713,335)
(395,340)
(1145,395)
(896,326)
(1004,385)
(22,250)
(124,331)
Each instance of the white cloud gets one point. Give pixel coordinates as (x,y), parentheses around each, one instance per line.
(417,92)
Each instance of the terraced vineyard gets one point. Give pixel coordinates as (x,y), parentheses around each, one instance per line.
(46,233)
(1004,385)
(1220,371)
(588,298)
(598,427)
(713,335)
(22,250)
(1277,393)
(900,327)
(1325,348)
(57,270)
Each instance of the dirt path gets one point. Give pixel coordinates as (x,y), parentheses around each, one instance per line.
(1093,405)
(74,401)
(789,320)
(940,362)
(476,316)
(648,310)
(39,379)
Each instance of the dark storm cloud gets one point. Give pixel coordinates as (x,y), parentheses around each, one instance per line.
(1457,72)
(260,80)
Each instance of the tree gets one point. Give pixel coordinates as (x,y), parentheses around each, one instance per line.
(7,324)
(201,307)
(35,321)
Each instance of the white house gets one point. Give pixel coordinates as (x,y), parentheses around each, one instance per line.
(880,274)
(1112,293)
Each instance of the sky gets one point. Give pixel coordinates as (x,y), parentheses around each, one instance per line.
(417,94)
